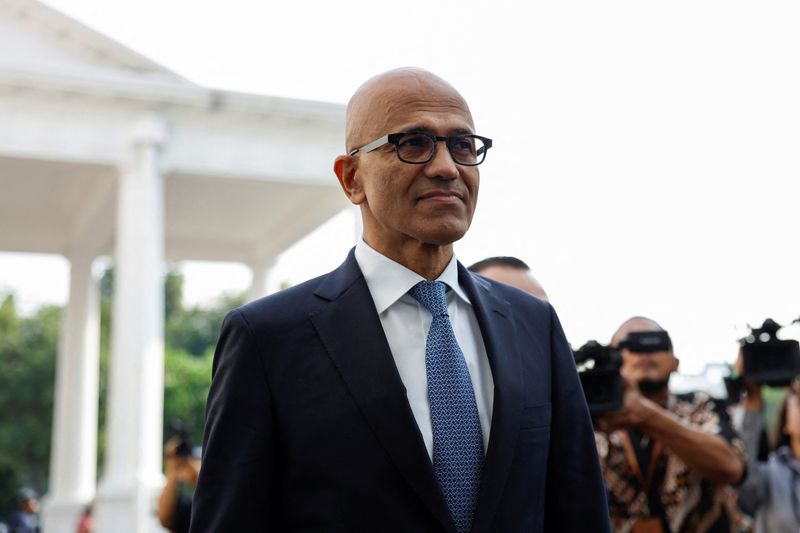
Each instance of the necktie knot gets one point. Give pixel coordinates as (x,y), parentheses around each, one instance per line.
(430,294)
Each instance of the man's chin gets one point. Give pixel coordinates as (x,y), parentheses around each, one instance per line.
(652,386)
(438,238)
(444,233)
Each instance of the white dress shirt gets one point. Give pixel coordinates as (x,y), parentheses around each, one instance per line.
(406,323)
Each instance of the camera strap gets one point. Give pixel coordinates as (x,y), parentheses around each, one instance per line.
(646,480)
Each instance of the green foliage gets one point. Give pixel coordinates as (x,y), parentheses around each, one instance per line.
(10,482)
(186,383)
(8,316)
(190,338)
(773,397)
(173,294)
(28,347)
(27,358)
(195,330)
(106,290)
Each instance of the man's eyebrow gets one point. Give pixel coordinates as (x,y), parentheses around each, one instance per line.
(417,129)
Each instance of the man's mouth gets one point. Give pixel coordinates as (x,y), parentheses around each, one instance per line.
(441,196)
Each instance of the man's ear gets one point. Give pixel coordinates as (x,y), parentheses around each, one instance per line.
(675,363)
(346,169)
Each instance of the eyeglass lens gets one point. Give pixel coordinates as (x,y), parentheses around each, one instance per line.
(419,147)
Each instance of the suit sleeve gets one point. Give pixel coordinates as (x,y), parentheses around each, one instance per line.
(576,494)
(236,489)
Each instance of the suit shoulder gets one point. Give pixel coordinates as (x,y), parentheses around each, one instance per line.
(283,307)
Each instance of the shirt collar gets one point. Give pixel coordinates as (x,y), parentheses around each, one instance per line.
(388,280)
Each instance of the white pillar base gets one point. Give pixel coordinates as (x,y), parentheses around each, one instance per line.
(61,516)
(128,508)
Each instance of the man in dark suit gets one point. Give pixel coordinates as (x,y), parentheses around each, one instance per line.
(400,392)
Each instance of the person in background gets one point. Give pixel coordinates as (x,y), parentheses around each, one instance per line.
(667,459)
(86,521)
(771,489)
(26,518)
(175,503)
(736,388)
(511,271)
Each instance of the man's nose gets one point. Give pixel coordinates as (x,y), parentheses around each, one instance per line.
(442,164)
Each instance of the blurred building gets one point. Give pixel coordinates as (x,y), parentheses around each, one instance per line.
(710,381)
(105,153)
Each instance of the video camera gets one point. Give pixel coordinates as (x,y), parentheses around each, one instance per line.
(647,342)
(767,359)
(183,435)
(598,368)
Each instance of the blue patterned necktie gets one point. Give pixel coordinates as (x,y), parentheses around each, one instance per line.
(457,438)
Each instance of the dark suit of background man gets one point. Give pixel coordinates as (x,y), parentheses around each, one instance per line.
(362,401)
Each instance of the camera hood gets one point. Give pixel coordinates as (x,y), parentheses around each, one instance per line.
(647,342)
(769,360)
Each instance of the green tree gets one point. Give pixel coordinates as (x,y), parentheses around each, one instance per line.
(10,481)
(190,338)
(173,294)
(28,347)
(8,317)
(106,289)
(186,383)
(27,358)
(195,331)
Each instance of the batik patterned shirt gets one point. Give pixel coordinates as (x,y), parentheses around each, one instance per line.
(690,503)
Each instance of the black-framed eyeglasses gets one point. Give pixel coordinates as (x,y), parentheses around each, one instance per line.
(418,148)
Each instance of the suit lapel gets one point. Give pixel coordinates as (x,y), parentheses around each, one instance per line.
(353,336)
(495,319)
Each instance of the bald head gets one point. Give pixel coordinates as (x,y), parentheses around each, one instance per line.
(381,96)
(413,212)
(650,370)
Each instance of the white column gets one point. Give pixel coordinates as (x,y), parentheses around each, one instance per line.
(260,269)
(73,456)
(127,493)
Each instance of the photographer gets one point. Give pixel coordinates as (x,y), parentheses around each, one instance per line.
(666,458)
(182,469)
(769,492)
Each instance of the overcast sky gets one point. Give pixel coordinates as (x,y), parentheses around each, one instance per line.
(646,155)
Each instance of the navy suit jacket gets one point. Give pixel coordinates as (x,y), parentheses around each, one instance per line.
(308,427)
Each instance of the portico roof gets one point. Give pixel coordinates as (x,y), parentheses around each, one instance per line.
(244,175)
